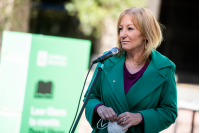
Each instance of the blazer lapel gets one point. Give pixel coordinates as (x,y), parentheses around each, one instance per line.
(149,81)
(115,77)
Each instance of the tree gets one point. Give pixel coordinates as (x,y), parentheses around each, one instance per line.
(14,16)
(98,18)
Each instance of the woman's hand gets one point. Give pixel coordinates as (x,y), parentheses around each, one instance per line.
(129,119)
(107,113)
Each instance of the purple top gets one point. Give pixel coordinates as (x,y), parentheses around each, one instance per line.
(129,81)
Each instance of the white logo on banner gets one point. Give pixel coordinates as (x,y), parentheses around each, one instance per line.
(44,59)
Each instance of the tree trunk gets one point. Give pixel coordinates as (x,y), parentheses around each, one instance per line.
(108,37)
(14,16)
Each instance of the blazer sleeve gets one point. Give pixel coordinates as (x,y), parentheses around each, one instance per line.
(158,119)
(94,100)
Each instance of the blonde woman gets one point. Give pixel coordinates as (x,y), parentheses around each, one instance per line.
(136,90)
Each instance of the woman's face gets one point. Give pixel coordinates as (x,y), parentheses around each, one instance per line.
(130,37)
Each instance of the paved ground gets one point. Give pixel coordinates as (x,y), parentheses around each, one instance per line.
(186,93)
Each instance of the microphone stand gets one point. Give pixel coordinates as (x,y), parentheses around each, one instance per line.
(88,95)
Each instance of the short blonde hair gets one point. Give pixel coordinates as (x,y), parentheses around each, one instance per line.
(147,24)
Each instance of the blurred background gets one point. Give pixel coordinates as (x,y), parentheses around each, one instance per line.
(95,20)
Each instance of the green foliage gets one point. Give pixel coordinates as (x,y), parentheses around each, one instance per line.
(91,13)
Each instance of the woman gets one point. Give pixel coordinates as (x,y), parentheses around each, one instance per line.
(136,89)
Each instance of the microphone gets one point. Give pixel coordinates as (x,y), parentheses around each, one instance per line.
(113,52)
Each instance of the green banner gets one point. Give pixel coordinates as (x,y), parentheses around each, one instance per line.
(56,68)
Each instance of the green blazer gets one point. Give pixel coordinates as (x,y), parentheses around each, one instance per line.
(154,95)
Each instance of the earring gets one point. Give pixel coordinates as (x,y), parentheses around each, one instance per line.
(145,44)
